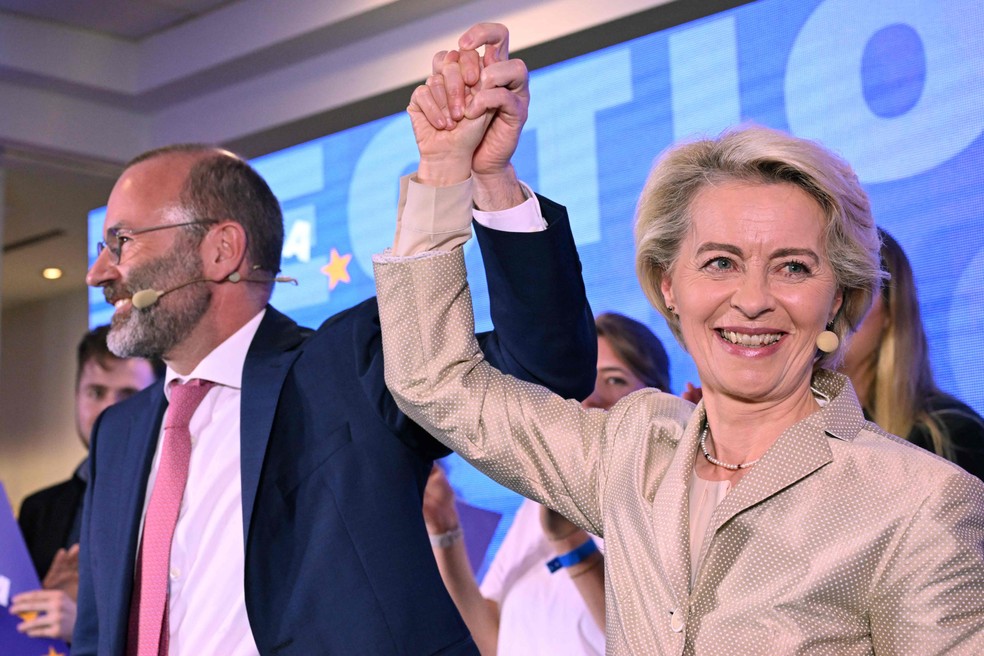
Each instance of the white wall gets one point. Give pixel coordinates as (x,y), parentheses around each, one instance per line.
(38,442)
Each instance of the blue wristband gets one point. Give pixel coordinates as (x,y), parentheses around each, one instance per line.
(574,557)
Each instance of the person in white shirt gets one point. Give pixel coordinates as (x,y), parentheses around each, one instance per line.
(544,592)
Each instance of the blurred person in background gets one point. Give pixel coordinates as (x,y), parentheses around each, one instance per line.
(887,360)
(526,603)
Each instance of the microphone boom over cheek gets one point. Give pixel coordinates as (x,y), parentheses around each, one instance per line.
(146,297)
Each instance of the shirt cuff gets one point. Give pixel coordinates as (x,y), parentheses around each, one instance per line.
(432,218)
(526,217)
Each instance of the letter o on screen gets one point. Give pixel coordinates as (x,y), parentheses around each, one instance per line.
(824,88)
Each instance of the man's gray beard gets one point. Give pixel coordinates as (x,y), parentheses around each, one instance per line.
(154,331)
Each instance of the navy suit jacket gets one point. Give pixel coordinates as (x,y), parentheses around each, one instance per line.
(337,556)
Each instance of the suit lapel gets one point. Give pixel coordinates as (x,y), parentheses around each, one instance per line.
(139,446)
(791,458)
(270,357)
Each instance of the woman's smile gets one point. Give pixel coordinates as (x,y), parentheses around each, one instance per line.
(753,288)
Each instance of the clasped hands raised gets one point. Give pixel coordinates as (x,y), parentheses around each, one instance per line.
(468,115)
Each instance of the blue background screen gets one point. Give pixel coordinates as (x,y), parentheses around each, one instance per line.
(894,86)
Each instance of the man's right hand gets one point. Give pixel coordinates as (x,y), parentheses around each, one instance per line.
(466,87)
(502,84)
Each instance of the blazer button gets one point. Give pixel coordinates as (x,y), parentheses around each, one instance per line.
(676,620)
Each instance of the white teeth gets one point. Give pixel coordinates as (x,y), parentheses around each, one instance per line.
(120,303)
(743,339)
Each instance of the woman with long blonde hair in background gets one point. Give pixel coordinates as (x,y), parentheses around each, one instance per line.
(888,362)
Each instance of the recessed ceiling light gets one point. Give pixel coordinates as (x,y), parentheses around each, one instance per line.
(51,273)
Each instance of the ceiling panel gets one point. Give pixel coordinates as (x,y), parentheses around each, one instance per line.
(121,18)
(51,200)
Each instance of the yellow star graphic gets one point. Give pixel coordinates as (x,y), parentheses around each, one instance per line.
(337,269)
(52,652)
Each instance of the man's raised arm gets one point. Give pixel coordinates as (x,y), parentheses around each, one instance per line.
(467,120)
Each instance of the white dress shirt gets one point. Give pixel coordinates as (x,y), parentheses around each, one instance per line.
(207,597)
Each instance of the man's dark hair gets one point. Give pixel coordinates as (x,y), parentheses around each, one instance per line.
(93,347)
(222,185)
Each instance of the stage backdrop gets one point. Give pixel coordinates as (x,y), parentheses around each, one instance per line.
(895,86)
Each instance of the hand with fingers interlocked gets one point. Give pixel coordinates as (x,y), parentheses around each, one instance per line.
(469,114)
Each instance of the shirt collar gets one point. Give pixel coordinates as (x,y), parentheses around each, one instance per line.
(224,365)
(841,416)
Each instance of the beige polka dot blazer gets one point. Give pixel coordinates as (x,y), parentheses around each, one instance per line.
(841,540)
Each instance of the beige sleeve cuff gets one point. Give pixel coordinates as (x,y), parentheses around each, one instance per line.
(432,218)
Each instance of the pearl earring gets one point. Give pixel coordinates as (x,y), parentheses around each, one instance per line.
(828,341)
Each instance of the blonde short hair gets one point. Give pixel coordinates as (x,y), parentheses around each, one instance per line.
(757,154)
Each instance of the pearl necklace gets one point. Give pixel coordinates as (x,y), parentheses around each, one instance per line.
(720,463)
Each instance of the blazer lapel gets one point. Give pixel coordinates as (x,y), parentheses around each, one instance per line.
(790,459)
(671,511)
(797,453)
(138,448)
(270,356)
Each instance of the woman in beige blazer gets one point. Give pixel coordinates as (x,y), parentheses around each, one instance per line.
(770,519)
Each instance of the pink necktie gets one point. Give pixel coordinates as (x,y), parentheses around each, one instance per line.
(148,630)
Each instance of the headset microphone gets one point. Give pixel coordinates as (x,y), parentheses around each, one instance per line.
(147,297)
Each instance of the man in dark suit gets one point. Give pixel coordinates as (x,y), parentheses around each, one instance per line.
(50,519)
(300,527)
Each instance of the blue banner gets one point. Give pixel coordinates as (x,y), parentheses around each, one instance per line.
(17,575)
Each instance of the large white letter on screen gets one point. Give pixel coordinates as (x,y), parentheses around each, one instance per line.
(299,239)
(374,188)
(824,89)
(562,113)
(704,79)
